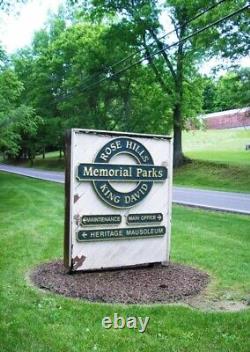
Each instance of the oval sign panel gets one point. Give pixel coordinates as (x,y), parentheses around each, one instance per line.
(102,172)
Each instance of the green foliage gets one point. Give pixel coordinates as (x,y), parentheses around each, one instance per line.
(10,89)
(57,73)
(64,73)
(209,95)
(18,128)
(230,91)
(18,122)
(175,67)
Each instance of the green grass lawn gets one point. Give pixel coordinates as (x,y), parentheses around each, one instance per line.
(209,175)
(31,232)
(219,160)
(222,146)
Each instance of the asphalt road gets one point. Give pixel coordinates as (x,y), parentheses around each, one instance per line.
(214,200)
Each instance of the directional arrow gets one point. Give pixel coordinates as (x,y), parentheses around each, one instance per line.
(159,217)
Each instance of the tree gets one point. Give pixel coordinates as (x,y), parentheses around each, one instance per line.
(56,68)
(229,91)
(32,66)
(17,121)
(209,95)
(141,19)
(232,90)
(18,128)
(85,50)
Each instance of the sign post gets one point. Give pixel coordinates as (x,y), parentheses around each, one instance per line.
(118,195)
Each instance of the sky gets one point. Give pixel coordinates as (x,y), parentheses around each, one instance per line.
(17,30)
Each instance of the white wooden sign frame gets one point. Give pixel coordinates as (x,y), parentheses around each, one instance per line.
(135,233)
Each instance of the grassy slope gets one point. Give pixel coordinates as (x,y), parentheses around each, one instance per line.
(223,146)
(220,160)
(202,174)
(31,231)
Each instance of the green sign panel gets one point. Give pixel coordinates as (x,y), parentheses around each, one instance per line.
(102,172)
(122,233)
(144,218)
(100,219)
(121,173)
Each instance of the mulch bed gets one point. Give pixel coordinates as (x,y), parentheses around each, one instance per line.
(150,284)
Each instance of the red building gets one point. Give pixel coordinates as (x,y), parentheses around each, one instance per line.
(227,119)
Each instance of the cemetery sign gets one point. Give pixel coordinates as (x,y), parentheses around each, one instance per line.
(118,199)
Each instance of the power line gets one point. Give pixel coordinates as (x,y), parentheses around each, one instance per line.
(169,46)
(162,37)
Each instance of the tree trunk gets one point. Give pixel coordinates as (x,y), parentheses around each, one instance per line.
(31,159)
(43,152)
(178,157)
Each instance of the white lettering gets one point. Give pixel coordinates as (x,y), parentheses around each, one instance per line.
(106,323)
(87,171)
(129,323)
(143,324)
(118,320)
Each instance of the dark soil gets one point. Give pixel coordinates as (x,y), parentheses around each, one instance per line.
(137,285)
